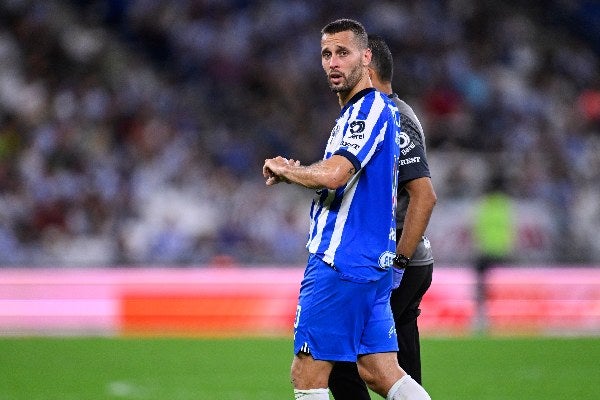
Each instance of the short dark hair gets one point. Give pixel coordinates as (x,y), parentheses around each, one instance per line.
(381,60)
(345,24)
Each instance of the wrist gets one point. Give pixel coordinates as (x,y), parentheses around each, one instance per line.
(401,261)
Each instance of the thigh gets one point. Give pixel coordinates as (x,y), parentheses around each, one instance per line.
(331,314)
(379,335)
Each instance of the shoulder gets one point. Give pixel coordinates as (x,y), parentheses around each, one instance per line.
(404,107)
(375,104)
(410,121)
(385,102)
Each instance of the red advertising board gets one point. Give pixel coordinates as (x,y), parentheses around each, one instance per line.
(240,301)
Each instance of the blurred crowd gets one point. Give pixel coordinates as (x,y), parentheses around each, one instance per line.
(133,132)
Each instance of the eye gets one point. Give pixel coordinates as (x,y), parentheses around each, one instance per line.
(326,55)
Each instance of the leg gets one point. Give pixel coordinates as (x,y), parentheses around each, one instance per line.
(409,355)
(346,384)
(329,321)
(308,373)
(480,323)
(385,377)
(377,362)
(405,302)
(380,371)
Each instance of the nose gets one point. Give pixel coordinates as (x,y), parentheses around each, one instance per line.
(333,62)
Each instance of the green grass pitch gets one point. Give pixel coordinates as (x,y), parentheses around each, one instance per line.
(478,368)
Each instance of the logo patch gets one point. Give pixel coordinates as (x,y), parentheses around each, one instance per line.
(408,148)
(426,242)
(357,126)
(404,140)
(410,160)
(348,144)
(386,259)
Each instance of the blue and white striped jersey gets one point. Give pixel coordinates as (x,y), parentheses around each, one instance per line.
(353,228)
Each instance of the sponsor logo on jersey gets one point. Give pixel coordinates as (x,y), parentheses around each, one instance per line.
(357,126)
(348,144)
(403,140)
(410,160)
(408,148)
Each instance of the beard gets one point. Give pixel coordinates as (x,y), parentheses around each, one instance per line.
(348,82)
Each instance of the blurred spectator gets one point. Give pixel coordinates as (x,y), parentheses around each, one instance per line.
(494,236)
(133,131)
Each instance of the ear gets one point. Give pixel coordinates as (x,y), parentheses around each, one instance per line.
(367,57)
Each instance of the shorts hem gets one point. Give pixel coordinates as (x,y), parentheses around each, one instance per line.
(379,350)
(330,357)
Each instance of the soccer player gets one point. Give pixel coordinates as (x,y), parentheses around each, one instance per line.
(343,311)
(416,200)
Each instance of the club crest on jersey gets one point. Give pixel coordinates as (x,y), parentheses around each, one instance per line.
(386,259)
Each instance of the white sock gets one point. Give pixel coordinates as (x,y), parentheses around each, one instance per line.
(311,394)
(406,388)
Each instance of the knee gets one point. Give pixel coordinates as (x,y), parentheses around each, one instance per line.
(306,373)
(297,378)
(375,382)
(380,371)
(368,376)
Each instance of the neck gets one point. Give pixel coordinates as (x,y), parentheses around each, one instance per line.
(384,87)
(344,97)
(387,88)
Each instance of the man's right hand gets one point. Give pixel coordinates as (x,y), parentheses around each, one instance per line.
(274,168)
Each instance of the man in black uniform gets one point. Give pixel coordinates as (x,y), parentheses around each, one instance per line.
(416,199)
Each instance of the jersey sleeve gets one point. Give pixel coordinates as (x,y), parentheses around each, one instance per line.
(365,130)
(413,159)
(351,157)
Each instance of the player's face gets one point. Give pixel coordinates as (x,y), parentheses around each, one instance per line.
(342,60)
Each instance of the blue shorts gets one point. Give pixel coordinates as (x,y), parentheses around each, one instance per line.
(339,318)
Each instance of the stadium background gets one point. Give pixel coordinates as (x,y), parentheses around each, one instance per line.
(132,134)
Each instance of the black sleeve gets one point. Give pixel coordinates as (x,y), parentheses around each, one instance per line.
(413,160)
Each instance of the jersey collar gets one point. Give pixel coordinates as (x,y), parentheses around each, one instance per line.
(356,97)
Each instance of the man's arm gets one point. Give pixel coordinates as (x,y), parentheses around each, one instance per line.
(420,206)
(331,173)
